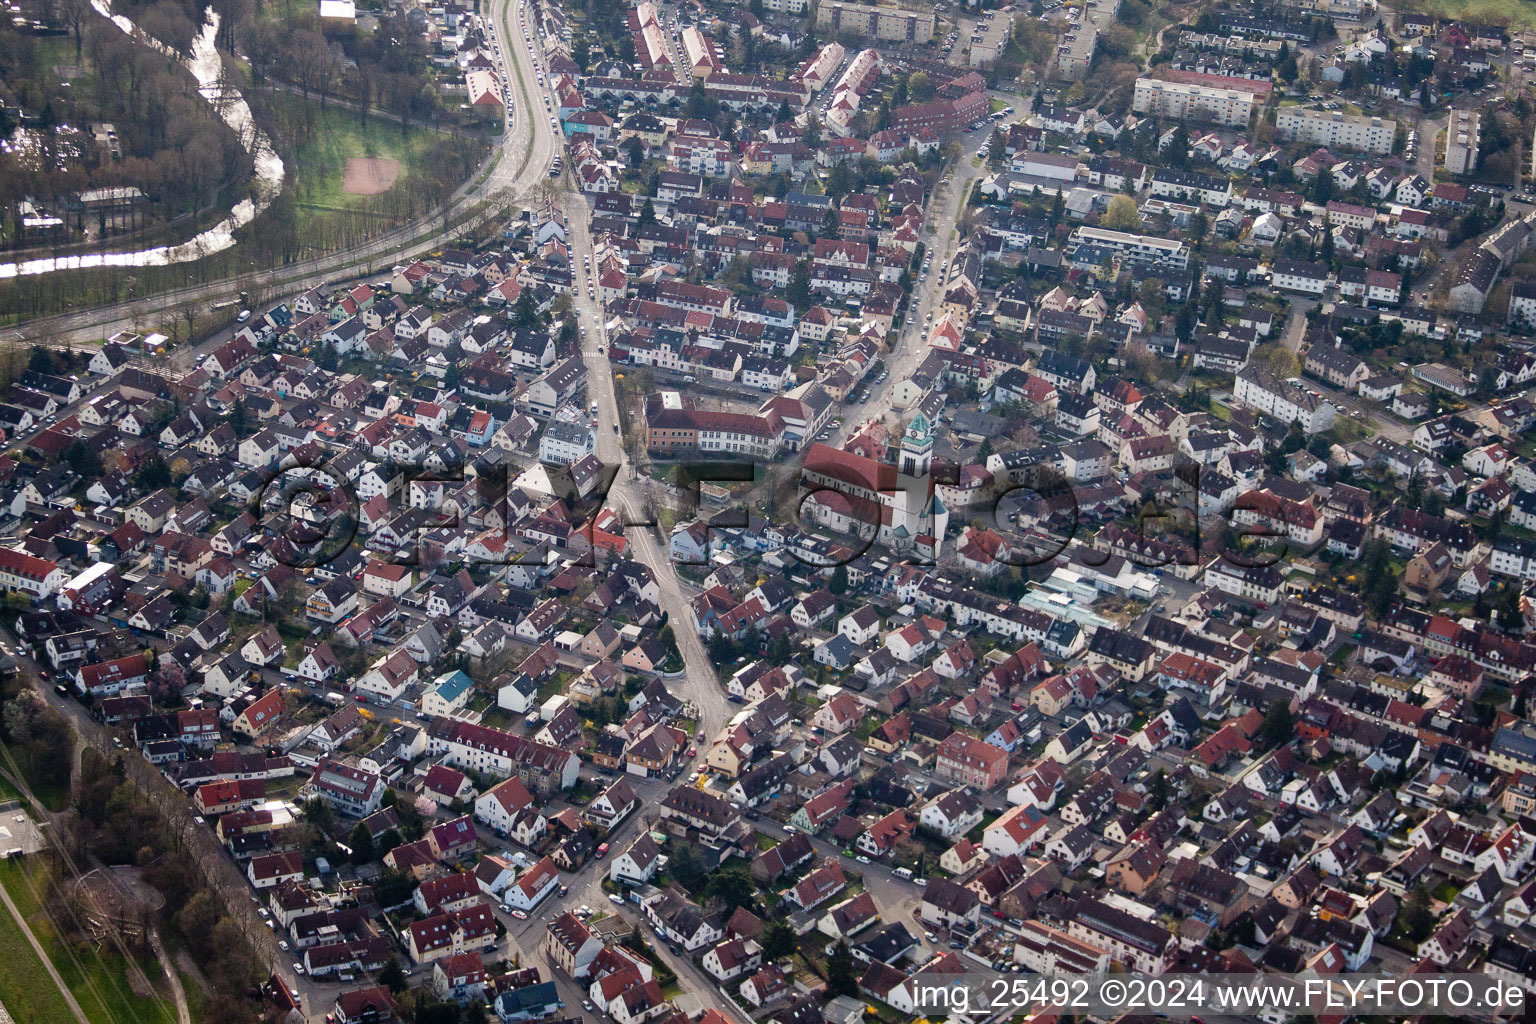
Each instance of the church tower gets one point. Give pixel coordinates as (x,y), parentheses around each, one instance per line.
(917,447)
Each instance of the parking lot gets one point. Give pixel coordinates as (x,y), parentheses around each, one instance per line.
(18,835)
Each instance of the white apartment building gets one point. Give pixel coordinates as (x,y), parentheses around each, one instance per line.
(1148,250)
(1260,389)
(1179,101)
(1075,52)
(1461,137)
(1335,129)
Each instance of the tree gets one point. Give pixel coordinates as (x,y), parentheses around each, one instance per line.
(722,649)
(785,115)
(634,149)
(1322,188)
(1285,65)
(74,14)
(361,841)
(733,888)
(1121,214)
(799,293)
(1185,321)
(1278,726)
(781,652)
(647,214)
(1378,581)
(919,87)
(153,474)
(392,976)
(839,582)
(842,971)
(83,459)
(779,940)
(1177,152)
(1157,791)
(525,312)
(1414,920)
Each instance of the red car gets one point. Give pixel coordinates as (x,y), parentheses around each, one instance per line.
(693,751)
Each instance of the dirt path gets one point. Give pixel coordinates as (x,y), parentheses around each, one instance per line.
(179,994)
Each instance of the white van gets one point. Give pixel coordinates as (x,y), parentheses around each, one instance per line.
(903,873)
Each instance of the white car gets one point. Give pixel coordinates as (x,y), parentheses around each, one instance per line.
(616,899)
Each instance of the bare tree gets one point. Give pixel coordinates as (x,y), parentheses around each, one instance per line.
(73,13)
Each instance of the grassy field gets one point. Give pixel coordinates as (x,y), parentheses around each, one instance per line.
(1520,14)
(98,979)
(335,136)
(26,990)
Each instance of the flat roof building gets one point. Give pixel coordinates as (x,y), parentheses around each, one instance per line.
(1335,129)
(889,24)
(1180,101)
(1461,138)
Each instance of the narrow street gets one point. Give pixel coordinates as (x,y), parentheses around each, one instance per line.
(909,344)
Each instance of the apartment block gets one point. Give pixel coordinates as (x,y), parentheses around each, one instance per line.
(888,24)
(1144,250)
(1335,130)
(990,38)
(1075,52)
(1461,136)
(1179,101)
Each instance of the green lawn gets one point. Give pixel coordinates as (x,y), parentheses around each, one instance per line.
(1519,13)
(98,980)
(196,1000)
(335,136)
(26,990)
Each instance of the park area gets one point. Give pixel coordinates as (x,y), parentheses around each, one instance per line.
(1519,15)
(104,983)
(341,163)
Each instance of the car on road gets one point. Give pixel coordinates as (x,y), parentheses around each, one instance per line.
(920,882)
(930,936)
(521,915)
(282,944)
(862,859)
(616,899)
(299,969)
(586,1004)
